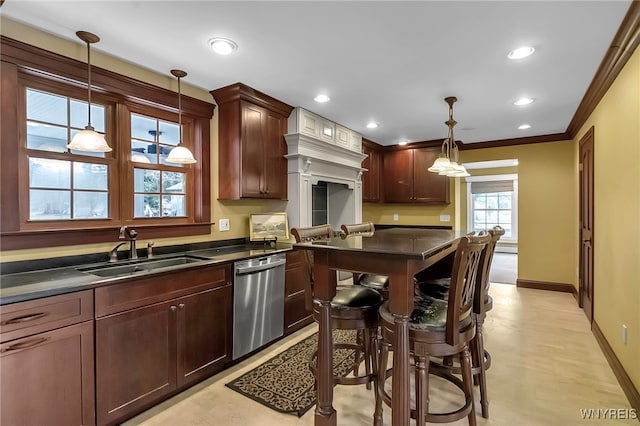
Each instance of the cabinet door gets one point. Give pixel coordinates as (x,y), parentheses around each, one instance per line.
(398,172)
(253,155)
(371,178)
(275,165)
(428,187)
(297,290)
(204,333)
(135,360)
(47,378)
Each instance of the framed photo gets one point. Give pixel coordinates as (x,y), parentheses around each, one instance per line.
(268,226)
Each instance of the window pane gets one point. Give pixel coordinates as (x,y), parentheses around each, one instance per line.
(90,205)
(46,107)
(504,200)
(79,115)
(46,137)
(173,182)
(492,201)
(504,216)
(143,127)
(140,152)
(90,176)
(173,205)
(146,180)
(146,205)
(46,173)
(479,201)
(492,216)
(507,230)
(169,133)
(49,205)
(479,217)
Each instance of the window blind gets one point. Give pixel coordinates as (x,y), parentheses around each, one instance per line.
(495,186)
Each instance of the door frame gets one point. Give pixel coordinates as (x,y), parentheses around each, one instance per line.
(587,138)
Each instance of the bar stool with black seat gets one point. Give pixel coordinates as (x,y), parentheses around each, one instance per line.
(380,283)
(438,328)
(438,287)
(352,308)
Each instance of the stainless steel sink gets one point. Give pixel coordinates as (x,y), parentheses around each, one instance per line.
(148,265)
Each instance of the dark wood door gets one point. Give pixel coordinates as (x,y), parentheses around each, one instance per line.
(297,300)
(398,176)
(275,165)
(252,135)
(135,360)
(428,187)
(586,223)
(204,333)
(48,378)
(371,177)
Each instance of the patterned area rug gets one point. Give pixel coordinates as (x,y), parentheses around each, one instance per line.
(285,383)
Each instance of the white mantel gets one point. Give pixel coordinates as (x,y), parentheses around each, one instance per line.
(311,160)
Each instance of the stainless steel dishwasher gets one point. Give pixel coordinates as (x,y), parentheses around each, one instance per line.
(258,302)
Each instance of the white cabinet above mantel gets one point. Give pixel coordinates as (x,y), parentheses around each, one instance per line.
(307,123)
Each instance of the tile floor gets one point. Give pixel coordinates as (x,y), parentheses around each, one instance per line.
(546,367)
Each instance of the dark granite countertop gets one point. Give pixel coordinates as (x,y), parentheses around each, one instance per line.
(34,284)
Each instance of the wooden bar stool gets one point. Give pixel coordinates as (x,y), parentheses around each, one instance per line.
(482,303)
(438,328)
(352,308)
(380,283)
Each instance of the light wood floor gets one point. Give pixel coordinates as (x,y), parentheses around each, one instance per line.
(546,367)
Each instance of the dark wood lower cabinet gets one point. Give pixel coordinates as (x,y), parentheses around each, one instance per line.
(296,312)
(47,378)
(146,353)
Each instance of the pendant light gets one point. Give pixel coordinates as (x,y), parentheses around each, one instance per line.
(447,163)
(88,139)
(180,154)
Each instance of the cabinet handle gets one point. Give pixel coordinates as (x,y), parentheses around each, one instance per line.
(173,308)
(181,306)
(25,318)
(27,344)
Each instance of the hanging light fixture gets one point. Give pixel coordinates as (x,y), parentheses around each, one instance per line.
(447,163)
(180,154)
(88,139)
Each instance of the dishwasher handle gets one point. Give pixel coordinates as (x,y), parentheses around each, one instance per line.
(258,268)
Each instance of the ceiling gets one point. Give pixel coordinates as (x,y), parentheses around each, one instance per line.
(391,62)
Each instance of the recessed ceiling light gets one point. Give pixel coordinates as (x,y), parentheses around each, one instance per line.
(521,52)
(322,98)
(524,126)
(372,125)
(403,143)
(223,46)
(523,101)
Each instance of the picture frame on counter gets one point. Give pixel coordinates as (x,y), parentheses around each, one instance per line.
(268,226)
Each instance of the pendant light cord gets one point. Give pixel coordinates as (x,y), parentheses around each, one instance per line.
(180,111)
(89,81)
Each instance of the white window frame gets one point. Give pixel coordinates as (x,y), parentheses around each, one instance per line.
(514,202)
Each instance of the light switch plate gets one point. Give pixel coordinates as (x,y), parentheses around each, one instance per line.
(223,225)
(445,218)
(395,217)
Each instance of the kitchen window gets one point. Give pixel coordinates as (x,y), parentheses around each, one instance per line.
(52,196)
(493,200)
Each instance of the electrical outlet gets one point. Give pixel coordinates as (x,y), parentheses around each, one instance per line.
(223,225)
(395,217)
(624,334)
(445,218)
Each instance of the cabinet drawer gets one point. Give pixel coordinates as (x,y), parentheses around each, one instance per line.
(36,316)
(135,293)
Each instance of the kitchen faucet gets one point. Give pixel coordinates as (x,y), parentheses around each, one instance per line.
(131,235)
(113,253)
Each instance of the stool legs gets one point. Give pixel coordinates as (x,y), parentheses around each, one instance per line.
(481,376)
(422,389)
(467,381)
(382,376)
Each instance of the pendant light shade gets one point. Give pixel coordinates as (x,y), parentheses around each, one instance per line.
(180,154)
(88,139)
(447,163)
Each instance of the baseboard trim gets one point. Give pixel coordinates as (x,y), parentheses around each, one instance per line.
(544,285)
(623,378)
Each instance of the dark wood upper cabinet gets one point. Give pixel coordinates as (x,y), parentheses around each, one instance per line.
(251,145)
(406,179)
(371,177)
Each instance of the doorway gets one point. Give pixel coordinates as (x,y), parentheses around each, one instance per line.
(586,145)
